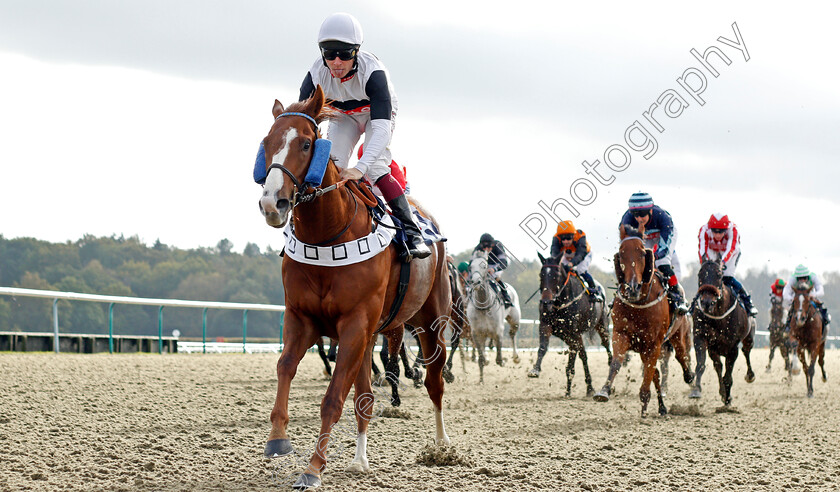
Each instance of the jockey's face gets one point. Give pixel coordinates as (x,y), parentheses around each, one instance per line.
(340,68)
(566,241)
(718,235)
(642,219)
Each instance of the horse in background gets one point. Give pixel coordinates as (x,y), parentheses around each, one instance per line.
(486,312)
(806,329)
(567,312)
(641,318)
(682,330)
(350,303)
(778,337)
(720,324)
(457,319)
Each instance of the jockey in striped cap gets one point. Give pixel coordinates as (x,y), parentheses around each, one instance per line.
(660,235)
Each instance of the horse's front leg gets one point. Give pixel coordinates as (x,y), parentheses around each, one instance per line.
(324,358)
(620,346)
(770,360)
(746,348)
(822,361)
(719,369)
(809,370)
(681,353)
(545,336)
(664,358)
(498,341)
(392,367)
(352,354)
(478,345)
(514,329)
(363,404)
(448,376)
(298,336)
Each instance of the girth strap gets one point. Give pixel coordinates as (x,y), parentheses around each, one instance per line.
(402,288)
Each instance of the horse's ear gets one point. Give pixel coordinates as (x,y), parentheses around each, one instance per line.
(647,273)
(619,272)
(542,258)
(315,102)
(277,109)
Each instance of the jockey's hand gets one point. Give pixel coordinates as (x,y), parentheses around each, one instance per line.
(352,174)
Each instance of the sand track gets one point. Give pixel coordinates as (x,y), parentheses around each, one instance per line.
(199,422)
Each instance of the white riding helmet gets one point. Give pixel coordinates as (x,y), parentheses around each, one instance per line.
(341,27)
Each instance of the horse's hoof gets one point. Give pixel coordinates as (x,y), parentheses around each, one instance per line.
(278,447)
(695,393)
(688,377)
(602,396)
(533,373)
(395,401)
(825,379)
(358,467)
(750,377)
(379,380)
(418,383)
(448,376)
(590,392)
(307,481)
(516,359)
(663,410)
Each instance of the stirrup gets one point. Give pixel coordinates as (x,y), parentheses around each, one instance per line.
(417,248)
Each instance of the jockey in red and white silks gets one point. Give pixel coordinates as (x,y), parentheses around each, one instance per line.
(718,239)
(725,245)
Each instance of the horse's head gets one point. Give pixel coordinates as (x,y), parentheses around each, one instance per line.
(553,277)
(710,283)
(801,301)
(478,269)
(289,149)
(633,264)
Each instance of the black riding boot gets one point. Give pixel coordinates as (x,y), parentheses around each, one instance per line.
(594,293)
(416,246)
(505,295)
(677,298)
(742,293)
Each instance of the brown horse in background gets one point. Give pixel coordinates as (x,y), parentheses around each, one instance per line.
(641,319)
(348,303)
(806,329)
(778,338)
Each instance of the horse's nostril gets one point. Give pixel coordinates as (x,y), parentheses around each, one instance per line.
(282,203)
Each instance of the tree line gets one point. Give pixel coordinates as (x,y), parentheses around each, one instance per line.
(123,266)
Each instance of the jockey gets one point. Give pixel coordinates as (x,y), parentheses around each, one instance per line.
(358,86)
(660,235)
(570,247)
(463,269)
(719,240)
(802,274)
(776,290)
(496,262)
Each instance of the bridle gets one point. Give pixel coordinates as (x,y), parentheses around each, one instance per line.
(556,296)
(718,291)
(646,289)
(301,195)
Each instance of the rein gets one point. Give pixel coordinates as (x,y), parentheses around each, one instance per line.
(566,283)
(620,297)
(716,290)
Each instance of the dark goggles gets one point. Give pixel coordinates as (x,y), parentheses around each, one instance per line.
(343,55)
(567,237)
(718,231)
(640,213)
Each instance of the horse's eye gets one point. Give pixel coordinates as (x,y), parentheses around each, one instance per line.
(306,145)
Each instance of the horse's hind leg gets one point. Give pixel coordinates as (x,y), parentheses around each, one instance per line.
(726,380)
(664,358)
(650,374)
(499,360)
(822,361)
(587,376)
(809,370)
(323,354)
(414,370)
(433,343)
(680,348)
(570,370)
(770,360)
(453,347)
(514,329)
(660,393)
(363,402)
(545,335)
(700,347)
(392,367)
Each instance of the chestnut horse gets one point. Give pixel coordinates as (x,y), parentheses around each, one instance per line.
(778,338)
(806,329)
(567,312)
(641,319)
(347,303)
(720,324)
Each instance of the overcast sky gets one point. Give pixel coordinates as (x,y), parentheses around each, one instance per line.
(143,117)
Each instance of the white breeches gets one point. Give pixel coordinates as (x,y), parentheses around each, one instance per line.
(344,132)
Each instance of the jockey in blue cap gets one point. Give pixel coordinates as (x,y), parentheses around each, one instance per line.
(660,235)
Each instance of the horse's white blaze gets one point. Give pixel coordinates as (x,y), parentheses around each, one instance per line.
(275,179)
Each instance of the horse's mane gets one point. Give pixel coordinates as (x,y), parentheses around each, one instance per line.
(327,112)
(630,231)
